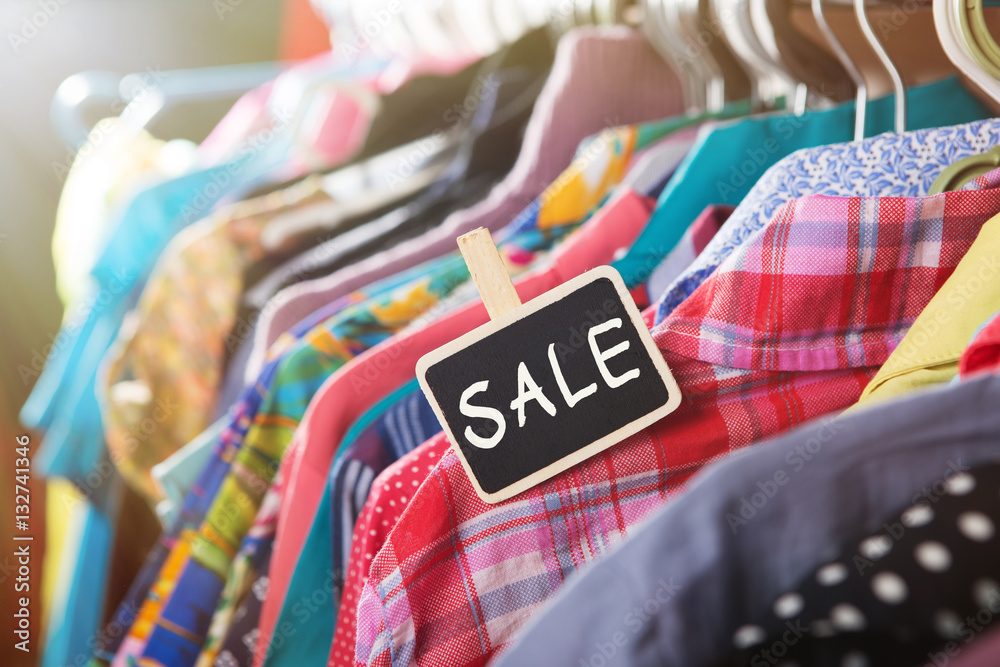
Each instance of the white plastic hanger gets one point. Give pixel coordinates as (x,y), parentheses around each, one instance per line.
(682,19)
(771,79)
(861,98)
(897,81)
(946,24)
(671,49)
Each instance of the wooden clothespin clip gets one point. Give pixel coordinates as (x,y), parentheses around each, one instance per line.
(546,384)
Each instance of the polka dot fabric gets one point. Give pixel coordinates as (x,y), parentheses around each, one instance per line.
(390,494)
(915,593)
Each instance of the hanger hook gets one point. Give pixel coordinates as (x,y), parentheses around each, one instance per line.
(861,104)
(667,44)
(883,56)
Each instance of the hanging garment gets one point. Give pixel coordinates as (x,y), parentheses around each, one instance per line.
(931,350)
(73,442)
(754,525)
(167,366)
(726,164)
(135,607)
(369,536)
(390,495)
(328,112)
(487,148)
(584,94)
(416,109)
(486,151)
(245,409)
(736,348)
(233,631)
(153,217)
(408,422)
(482,154)
(80,581)
(135,613)
(64,404)
(887,165)
(105,172)
(915,592)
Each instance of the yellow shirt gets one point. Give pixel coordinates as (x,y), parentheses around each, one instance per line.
(929,353)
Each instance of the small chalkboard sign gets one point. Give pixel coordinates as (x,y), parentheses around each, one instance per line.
(544,385)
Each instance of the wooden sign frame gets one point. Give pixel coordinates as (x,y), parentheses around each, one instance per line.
(505,317)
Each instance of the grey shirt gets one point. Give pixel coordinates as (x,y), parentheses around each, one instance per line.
(751,527)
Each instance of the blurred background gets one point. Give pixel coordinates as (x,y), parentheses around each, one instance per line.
(118,36)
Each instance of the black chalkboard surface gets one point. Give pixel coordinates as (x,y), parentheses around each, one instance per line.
(548,384)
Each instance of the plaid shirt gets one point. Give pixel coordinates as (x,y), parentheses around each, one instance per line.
(888,164)
(790,327)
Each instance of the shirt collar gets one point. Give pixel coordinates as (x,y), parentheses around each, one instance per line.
(942,331)
(829,283)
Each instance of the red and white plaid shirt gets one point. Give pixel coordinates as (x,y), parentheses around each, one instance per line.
(792,326)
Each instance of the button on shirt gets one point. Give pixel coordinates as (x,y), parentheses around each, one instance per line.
(791,326)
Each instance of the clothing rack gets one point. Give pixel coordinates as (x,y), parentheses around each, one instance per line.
(740,321)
